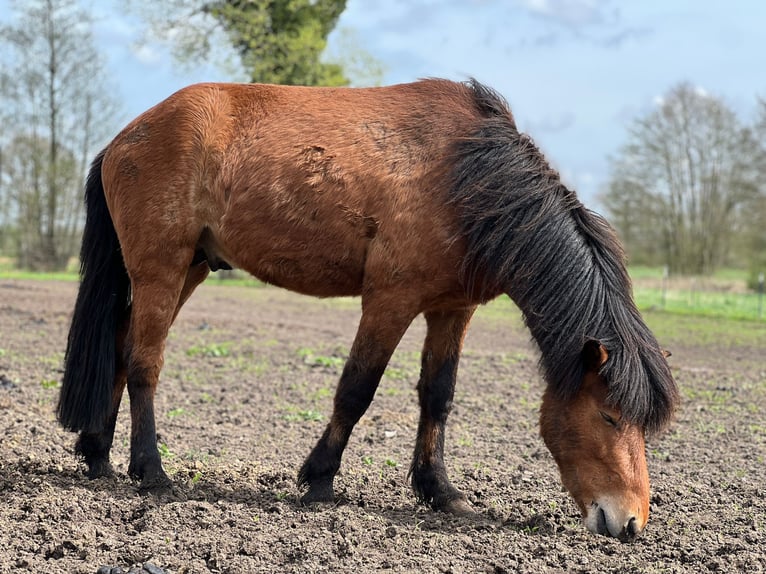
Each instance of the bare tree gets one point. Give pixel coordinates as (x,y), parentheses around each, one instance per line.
(687,172)
(50,91)
(755,214)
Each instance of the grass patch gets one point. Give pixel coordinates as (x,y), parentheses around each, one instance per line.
(39,276)
(164,451)
(501,308)
(303,415)
(726,299)
(692,330)
(723,294)
(704,303)
(49,384)
(310,357)
(397,373)
(638,272)
(8,270)
(210,350)
(321,394)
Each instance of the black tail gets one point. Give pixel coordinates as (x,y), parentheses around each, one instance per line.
(102,305)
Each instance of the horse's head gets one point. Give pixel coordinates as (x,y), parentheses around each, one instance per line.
(600,455)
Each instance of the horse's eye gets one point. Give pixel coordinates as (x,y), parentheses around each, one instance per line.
(608,419)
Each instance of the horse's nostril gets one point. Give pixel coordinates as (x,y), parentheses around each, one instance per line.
(601,524)
(631,530)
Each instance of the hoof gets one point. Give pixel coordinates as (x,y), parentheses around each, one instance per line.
(458,507)
(157,484)
(99,469)
(318,496)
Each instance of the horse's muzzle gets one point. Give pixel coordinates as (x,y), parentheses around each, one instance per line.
(603,518)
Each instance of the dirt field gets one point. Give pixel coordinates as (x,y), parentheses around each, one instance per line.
(246,391)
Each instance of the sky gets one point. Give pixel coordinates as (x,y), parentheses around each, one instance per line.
(575,72)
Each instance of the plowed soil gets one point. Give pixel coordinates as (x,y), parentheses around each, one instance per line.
(246,391)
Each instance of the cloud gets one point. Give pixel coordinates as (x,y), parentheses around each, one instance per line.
(622,36)
(598,22)
(551,124)
(146,54)
(569,13)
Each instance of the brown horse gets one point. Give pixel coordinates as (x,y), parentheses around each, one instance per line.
(421,198)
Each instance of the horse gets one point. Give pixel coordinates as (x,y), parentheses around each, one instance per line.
(421,198)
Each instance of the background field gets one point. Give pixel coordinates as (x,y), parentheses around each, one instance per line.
(246,391)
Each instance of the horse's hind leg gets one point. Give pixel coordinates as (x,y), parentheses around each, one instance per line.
(157,298)
(95,447)
(380,329)
(436,387)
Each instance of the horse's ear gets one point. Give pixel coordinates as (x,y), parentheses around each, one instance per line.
(666,353)
(594,355)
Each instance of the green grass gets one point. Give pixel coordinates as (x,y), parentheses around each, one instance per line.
(721,295)
(688,301)
(8,270)
(501,308)
(210,350)
(39,276)
(295,414)
(704,303)
(164,450)
(49,384)
(638,272)
(718,304)
(700,330)
(311,357)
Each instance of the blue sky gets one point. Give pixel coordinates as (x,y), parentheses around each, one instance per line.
(575,72)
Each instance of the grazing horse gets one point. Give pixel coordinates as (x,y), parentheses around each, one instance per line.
(420,198)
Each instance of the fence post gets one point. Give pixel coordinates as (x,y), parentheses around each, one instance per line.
(665,273)
(760,295)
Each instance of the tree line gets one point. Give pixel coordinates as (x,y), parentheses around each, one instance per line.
(687,190)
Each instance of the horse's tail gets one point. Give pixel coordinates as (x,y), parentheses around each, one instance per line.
(103,304)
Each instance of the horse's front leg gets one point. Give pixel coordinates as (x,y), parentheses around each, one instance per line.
(380,329)
(436,387)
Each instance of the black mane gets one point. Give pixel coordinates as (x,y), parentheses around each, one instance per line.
(529,236)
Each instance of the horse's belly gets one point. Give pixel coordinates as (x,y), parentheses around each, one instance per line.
(311,263)
(316,275)
(309,240)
